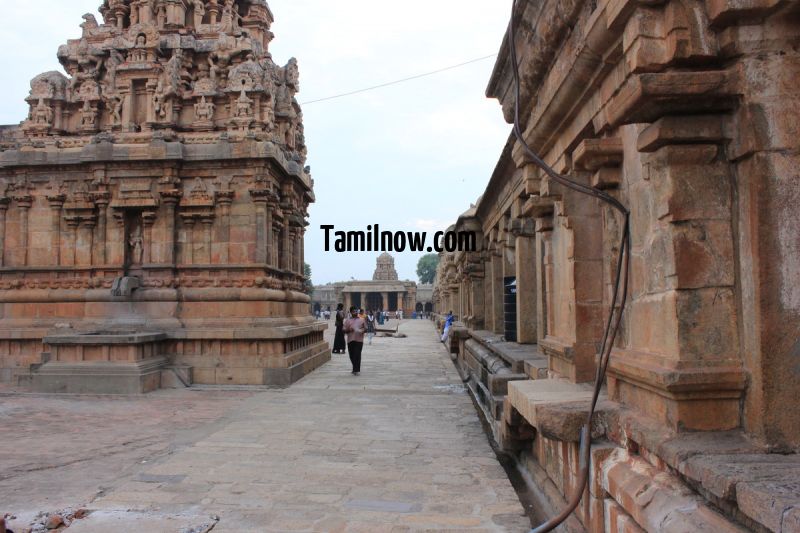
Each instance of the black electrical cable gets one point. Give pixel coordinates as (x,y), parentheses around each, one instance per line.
(620,295)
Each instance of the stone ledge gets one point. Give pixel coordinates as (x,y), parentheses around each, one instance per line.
(99,377)
(514,354)
(657,500)
(763,487)
(556,408)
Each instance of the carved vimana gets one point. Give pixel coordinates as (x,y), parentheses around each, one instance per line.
(160,186)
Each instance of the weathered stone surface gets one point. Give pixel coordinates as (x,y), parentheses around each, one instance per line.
(773,504)
(161,186)
(685,113)
(398,447)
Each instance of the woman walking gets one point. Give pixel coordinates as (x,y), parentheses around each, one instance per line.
(338,340)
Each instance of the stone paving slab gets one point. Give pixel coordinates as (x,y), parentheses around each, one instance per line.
(399,448)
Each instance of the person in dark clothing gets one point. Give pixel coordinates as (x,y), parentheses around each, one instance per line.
(355,327)
(338,340)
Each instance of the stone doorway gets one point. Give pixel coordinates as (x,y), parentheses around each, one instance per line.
(356,300)
(374,301)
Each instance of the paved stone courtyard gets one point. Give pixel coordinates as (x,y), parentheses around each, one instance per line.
(399,448)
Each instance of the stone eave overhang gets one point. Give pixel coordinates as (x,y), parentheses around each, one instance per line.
(157,151)
(377,286)
(542,26)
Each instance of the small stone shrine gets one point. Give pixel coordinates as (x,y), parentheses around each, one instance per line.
(153,207)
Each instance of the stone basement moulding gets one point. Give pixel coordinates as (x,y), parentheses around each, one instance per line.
(685,112)
(153,207)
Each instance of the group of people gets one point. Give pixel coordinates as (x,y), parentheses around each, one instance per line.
(355,328)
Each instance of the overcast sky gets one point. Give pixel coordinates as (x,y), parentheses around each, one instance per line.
(409,157)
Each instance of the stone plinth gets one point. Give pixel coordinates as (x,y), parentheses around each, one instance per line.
(101,363)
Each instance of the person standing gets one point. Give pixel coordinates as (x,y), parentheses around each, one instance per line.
(448,323)
(370,326)
(338,340)
(355,327)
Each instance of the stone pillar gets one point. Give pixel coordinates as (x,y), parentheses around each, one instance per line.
(524,231)
(213,12)
(303,250)
(260,198)
(56,204)
(286,243)
(101,200)
(3,211)
(188,241)
(347,302)
(496,324)
(478,304)
(170,199)
(24,204)
(400,302)
(148,219)
(296,266)
(544,228)
(208,224)
(85,239)
(272,255)
(224,199)
(274,245)
(385,301)
(70,257)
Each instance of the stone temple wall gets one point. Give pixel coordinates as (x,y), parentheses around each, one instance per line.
(161,187)
(686,112)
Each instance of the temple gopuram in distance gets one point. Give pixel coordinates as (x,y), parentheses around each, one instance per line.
(685,111)
(153,208)
(384,292)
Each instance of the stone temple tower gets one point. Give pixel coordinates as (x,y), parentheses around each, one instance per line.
(385,271)
(159,188)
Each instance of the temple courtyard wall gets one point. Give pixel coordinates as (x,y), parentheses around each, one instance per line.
(685,113)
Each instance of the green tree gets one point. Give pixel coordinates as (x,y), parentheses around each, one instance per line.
(307,274)
(426,268)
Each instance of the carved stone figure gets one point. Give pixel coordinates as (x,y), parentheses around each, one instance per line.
(111,64)
(160,101)
(88,116)
(244,105)
(161,14)
(203,110)
(226,21)
(89,24)
(172,72)
(136,246)
(42,114)
(139,52)
(220,59)
(114,105)
(199,12)
(293,75)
